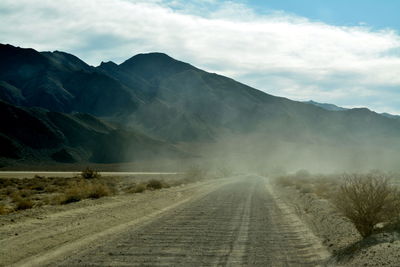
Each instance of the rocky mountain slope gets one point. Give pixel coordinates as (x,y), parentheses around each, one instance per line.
(160,98)
(36,134)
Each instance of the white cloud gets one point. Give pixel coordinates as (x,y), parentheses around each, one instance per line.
(279,53)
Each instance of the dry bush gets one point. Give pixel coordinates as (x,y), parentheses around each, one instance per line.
(9,190)
(155,184)
(81,190)
(51,189)
(25,193)
(367,200)
(73,194)
(23,203)
(89,173)
(98,191)
(4,209)
(139,188)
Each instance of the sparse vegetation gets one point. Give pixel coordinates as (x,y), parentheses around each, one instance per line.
(4,209)
(82,190)
(25,193)
(154,184)
(99,190)
(138,188)
(367,200)
(89,173)
(23,203)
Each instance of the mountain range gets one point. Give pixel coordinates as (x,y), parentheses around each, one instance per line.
(334,107)
(56,108)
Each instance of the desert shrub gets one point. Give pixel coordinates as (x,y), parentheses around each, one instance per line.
(51,188)
(98,191)
(23,204)
(72,194)
(138,188)
(18,194)
(154,184)
(25,193)
(4,209)
(9,190)
(37,185)
(367,200)
(81,190)
(89,173)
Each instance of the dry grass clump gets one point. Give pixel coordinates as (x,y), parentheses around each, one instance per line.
(4,209)
(77,191)
(89,173)
(368,200)
(139,188)
(99,190)
(26,193)
(20,194)
(23,204)
(21,199)
(154,184)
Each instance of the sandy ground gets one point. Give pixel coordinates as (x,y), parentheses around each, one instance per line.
(228,222)
(338,235)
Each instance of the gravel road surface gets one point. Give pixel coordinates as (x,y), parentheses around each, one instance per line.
(241,223)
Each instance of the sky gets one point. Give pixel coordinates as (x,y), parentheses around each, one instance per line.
(345,52)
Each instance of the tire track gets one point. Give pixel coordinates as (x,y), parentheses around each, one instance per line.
(238,224)
(63,233)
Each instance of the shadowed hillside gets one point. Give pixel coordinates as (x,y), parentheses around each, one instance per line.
(201,112)
(35,134)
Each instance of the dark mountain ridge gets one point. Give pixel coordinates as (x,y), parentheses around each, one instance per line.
(36,134)
(166,99)
(333,107)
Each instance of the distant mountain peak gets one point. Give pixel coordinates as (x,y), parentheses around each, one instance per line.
(108,63)
(154,64)
(154,58)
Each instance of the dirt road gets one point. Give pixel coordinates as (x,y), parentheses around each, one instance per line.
(226,222)
(238,224)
